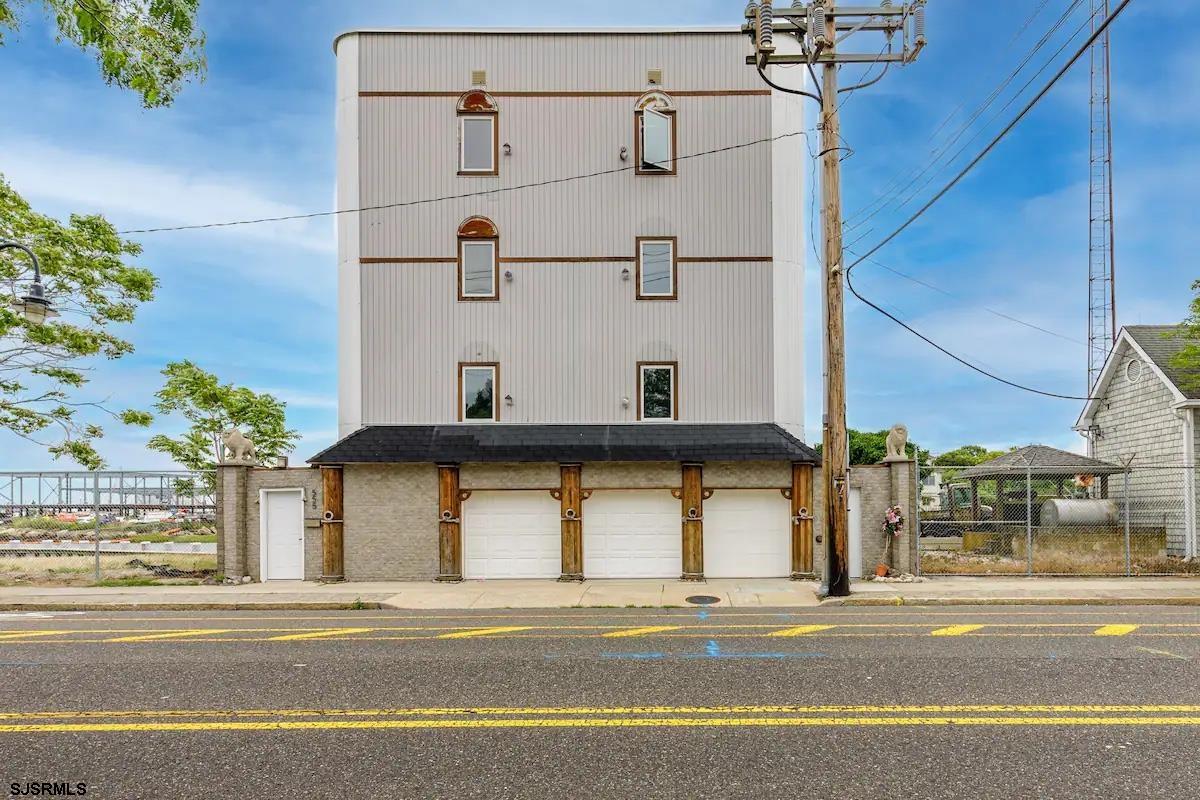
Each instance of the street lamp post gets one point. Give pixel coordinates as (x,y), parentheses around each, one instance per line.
(34,305)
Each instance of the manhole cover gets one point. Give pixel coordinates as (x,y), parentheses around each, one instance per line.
(703,599)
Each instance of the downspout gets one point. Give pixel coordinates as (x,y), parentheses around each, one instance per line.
(1189,482)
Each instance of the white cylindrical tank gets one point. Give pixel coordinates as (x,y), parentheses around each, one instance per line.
(1060,511)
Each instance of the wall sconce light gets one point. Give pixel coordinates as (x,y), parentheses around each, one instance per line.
(624,153)
(625,273)
(507,149)
(508,275)
(508,401)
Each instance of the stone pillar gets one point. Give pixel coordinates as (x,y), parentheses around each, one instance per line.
(232,480)
(903,480)
(449,524)
(692,504)
(570,496)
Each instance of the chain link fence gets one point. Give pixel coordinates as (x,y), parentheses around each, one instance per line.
(129,528)
(1135,519)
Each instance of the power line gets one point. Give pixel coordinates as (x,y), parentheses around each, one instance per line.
(445,198)
(1097,33)
(895,189)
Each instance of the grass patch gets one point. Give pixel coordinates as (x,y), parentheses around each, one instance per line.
(133,580)
(79,569)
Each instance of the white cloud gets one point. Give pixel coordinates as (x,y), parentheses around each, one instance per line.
(137,194)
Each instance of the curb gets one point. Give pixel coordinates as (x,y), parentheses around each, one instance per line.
(361,605)
(1011,601)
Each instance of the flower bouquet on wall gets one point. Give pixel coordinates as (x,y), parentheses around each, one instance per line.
(893,526)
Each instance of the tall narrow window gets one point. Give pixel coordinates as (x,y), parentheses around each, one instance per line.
(656,273)
(478,134)
(477,392)
(478,260)
(657,399)
(655,135)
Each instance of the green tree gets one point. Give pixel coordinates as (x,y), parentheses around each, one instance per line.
(870,447)
(151,47)
(211,407)
(148,46)
(93,288)
(1187,361)
(966,456)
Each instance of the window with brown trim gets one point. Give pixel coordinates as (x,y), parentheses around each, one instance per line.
(657,268)
(658,394)
(478,134)
(655,135)
(478,385)
(478,260)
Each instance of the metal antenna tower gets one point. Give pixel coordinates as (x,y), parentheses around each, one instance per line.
(1102,306)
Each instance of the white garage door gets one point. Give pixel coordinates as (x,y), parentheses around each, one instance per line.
(632,534)
(282,535)
(511,535)
(747,534)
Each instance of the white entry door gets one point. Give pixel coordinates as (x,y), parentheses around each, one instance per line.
(855,534)
(282,534)
(511,535)
(747,534)
(632,533)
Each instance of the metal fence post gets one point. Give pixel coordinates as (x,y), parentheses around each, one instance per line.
(1028,520)
(1125,503)
(96,519)
(916,527)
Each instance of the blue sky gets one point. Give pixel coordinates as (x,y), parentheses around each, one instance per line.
(256,304)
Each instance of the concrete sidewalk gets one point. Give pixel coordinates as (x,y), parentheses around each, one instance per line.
(765,592)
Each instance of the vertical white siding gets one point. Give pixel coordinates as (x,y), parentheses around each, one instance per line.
(350,374)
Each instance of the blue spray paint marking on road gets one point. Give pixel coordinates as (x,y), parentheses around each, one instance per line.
(701,614)
(712,648)
(635,656)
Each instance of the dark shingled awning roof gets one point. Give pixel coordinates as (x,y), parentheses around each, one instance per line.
(512,442)
(1161,346)
(1040,460)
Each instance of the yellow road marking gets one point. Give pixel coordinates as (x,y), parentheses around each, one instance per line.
(484,632)
(7,635)
(801,630)
(641,631)
(588,722)
(149,637)
(955,630)
(1115,630)
(1164,653)
(613,710)
(320,634)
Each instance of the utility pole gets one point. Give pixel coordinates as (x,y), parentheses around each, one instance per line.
(819,27)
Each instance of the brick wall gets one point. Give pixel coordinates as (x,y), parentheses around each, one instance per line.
(391,521)
(239,517)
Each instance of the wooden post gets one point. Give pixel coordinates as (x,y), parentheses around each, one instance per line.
(449,524)
(333,567)
(692,503)
(835,454)
(570,495)
(802,520)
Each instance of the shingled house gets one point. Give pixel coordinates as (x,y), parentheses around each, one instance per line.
(1143,408)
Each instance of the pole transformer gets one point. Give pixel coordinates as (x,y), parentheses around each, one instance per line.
(822,29)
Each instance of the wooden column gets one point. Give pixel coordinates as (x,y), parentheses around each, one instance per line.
(801,495)
(570,496)
(333,567)
(449,524)
(692,503)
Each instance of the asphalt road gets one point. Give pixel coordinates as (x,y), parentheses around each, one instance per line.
(827,703)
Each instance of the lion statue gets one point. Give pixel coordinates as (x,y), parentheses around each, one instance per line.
(238,449)
(897,438)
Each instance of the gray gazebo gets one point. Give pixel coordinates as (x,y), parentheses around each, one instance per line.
(1038,461)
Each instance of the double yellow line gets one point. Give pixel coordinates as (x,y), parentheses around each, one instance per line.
(781,716)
